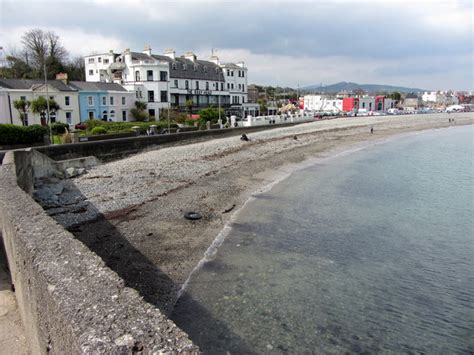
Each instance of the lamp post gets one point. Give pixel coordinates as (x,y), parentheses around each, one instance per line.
(47,105)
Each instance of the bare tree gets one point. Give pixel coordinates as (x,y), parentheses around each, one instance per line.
(40,46)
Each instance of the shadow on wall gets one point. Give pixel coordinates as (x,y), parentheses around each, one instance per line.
(138,272)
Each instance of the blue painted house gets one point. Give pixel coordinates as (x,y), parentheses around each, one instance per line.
(103,101)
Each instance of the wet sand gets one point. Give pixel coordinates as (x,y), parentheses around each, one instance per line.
(134,207)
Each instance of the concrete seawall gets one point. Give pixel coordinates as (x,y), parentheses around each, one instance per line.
(69,301)
(107,150)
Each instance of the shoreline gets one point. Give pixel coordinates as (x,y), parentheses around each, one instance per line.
(162,249)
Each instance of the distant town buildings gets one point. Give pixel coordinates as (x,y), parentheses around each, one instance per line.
(347,103)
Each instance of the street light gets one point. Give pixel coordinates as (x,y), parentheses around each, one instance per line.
(47,105)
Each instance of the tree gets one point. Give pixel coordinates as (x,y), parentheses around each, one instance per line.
(22,107)
(41,46)
(262,106)
(189,106)
(210,114)
(138,112)
(396,96)
(40,106)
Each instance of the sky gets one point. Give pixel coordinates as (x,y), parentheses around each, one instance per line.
(418,43)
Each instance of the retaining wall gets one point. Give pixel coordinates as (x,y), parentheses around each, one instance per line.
(69,301)
(117,148)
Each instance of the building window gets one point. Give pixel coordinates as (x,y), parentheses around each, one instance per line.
(90,101)
(176,83)
(151,96)
(124,116)
(186,85)
(232,86)
(173,66)
(99,59)
(66,100)
(91,60)
(228,72)
(23,98)
(91,115)
(243,87)
(163,76)
(149,75)
(205,69)
(112,115)
(197,85)
(243,74)
(164,96)
(111,100)
(222,86)
(104,101)
(207,85)
(195,67)
(104,115)
(106,61)
(240,86)
(123,100)
(185,67)
(232,73)
(137,75)
(91,72)
(228,86)
(363,105)
(370,106)
(151,112)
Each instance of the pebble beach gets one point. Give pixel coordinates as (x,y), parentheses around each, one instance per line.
(140,201)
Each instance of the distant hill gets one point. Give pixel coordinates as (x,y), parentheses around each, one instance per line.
(344,86)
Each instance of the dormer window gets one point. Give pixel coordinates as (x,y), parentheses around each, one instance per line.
(173,66)
(205,69)
(185,66)
(195,68)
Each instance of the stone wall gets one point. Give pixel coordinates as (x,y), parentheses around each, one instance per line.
(69,301)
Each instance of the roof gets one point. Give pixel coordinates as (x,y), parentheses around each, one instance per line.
(205,70)
(96,86)
(232,66)
(28,84)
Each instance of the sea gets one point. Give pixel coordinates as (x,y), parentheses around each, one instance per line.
(368,252)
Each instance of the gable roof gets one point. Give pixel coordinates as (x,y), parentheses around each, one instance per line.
(96,86)
(28,84)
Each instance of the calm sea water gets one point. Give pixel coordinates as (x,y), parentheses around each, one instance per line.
(368,253)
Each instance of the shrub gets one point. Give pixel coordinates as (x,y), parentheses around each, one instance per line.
(138,115)
(59,128)
(90,124)
(98,130)
(12,134)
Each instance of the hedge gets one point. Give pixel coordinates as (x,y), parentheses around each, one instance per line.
(119,127)
(12,134)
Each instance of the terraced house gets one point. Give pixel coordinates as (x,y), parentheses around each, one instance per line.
(22,89)
(103,101)
(164,81)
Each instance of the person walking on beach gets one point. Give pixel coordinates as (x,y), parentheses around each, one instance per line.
(372,129)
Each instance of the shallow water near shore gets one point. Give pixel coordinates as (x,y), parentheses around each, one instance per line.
(369,252)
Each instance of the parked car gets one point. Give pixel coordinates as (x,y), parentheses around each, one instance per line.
(81,126)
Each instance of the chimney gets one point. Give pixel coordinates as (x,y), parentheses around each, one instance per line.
(170,53)
(147,50)
(111,51)
(215,59)
(191,56)
(62,77)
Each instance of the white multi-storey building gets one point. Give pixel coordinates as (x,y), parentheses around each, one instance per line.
(169,81)
(322,103)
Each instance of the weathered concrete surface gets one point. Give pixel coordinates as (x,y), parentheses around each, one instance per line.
(12,334)
(69,301)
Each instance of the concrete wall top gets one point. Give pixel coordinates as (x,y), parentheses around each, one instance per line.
(69,301)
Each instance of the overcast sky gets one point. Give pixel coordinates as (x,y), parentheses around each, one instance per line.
(423,44)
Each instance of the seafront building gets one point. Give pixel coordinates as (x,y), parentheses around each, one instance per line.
(78,101)
(170,81)
(103,101)
(22,89)
(356,104)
